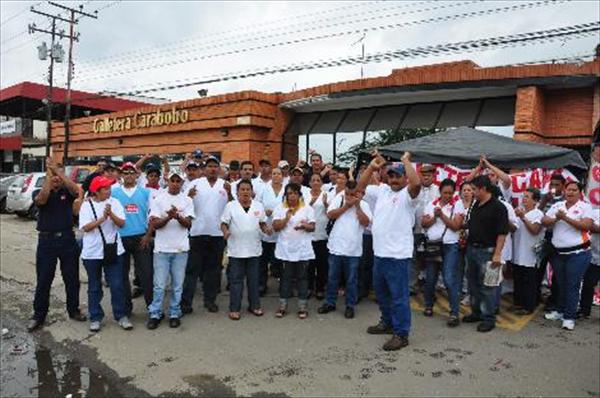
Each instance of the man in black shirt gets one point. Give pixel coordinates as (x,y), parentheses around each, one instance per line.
(56,241)
(488,227)
(316,167)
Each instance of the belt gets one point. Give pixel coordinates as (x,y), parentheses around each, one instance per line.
(569,250)
(60,234)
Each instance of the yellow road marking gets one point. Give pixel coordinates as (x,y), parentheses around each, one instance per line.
(505,319)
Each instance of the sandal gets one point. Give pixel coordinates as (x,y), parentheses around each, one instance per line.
(302,314)
(281,312)
(256,311)
(428,312)
(234,316)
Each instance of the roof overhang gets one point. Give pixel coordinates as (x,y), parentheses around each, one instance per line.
(28,100)
(412,94)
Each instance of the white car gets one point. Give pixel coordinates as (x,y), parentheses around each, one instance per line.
(19,199)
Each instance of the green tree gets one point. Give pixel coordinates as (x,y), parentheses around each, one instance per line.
(386,137)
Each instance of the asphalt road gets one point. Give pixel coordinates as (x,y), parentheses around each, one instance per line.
(325,355)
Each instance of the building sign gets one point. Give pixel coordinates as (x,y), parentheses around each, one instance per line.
(10,126)
(141,120)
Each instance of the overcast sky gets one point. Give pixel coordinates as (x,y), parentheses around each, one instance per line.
(140,44)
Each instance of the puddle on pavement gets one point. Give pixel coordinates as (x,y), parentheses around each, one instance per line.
(29,370)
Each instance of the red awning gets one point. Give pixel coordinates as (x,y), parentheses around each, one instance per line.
(38,92)
(10,142)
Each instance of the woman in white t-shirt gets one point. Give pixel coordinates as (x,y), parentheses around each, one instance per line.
(442,219)
(242,222)
(295,222)
(526,239)
(317,268)
(100,218)
(270,197)
(571,220)
(592,275)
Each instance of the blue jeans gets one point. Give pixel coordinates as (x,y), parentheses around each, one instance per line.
(238,270)
(114,276)
(451,274)
(483,298)
(166,264)
(570,269)
(390,281)
(49,252)
(349,265)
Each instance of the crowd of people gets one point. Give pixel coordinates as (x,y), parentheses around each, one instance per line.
(381,230)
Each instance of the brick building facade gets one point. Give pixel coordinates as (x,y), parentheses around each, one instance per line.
(553,103)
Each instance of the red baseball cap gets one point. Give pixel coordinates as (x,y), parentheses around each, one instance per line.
(128,165)
(100,182)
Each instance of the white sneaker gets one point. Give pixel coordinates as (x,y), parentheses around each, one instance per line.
(554,316)
(568,324)
(125,323)
(95,326)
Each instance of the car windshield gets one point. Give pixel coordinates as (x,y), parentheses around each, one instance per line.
(40,182)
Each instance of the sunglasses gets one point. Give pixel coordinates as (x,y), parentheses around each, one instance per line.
(128,172)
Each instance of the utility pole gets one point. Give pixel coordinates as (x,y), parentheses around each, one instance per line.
(56,54)
(72,37)
(362,63)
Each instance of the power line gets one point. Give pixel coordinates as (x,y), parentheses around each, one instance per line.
(37,36)
(151,49)
(579,30)
(329,36)
(246,39)
(23,11)
(240,38)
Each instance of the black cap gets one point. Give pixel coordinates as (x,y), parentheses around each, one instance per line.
(234,165)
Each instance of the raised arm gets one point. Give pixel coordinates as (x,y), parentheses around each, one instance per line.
(414,182)
(42,196)
(376,164)
(140,163)
(505,178)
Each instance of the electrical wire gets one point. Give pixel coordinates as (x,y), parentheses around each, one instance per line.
(328,36)
(7,20)
(38,35)
(178,49)
(246,39)
(221,34)
(579,30)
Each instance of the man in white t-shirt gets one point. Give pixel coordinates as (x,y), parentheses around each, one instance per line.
(171,214)
(210,195)
(246,173)
(527,240)
(351,215)
(264,178)
(393,220)
(242,222)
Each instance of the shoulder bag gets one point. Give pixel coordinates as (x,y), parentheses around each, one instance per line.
(434,250)
(110,249)
(331,222)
